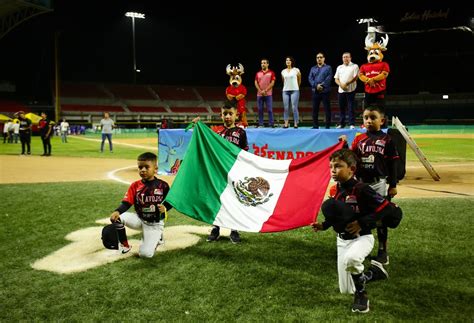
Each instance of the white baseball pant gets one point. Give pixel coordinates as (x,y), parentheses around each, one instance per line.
(381,187)
(350,260)
(151,233)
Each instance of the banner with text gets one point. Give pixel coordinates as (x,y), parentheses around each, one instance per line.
(269,143)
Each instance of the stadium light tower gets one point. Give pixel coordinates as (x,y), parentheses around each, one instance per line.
(134,15)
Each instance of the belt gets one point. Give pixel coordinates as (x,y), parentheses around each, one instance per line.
(347,236)
(157,219)
(373,180)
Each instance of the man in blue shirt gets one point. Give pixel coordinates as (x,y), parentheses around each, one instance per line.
(319,78)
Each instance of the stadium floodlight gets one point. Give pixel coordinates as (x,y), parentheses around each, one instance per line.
(134,15)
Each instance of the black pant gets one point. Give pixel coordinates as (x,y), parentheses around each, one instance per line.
(346,100)
(25,139)
(316,99)
(46,145)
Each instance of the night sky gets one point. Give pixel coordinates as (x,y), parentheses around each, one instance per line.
(189,45)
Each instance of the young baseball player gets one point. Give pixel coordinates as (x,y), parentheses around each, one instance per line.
(353,209)
(147,196)
(236,135)
(378,157)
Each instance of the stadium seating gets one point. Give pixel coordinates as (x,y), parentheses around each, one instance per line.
(9,106)
(131,103)
(147,109)
(82,90)
(175,93)
(130,92)
(91,108)
(211,93)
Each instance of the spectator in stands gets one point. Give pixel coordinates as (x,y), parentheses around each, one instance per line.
(319,78)
(346,77)
(107,125)
(25,132)
(291,77)
(264,82)
(46,130)
(64,130)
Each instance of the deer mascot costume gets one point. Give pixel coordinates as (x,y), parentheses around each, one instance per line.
(374,73)
(236,90)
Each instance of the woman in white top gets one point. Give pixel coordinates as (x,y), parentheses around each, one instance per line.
(291,90)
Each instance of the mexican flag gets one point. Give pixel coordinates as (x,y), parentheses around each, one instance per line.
(221,184)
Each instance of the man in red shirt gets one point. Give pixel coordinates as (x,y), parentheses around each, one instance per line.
(264,82)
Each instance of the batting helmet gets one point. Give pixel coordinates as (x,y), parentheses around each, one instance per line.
(109,237)
(393,217)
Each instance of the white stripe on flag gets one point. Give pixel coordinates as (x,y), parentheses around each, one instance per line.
(235,215)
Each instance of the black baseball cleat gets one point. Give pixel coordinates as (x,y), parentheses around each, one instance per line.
(361,302)
(376,272)
(381,257)
(235,237)
(214,236)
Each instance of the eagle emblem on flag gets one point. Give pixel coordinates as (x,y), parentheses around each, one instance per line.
(252,191)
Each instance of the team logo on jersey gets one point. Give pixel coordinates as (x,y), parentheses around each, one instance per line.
(150,209)
(352,201)
(380,142)
(252,191)
(158,191)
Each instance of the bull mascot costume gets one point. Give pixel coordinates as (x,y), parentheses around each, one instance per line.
(374,73)
(237,91)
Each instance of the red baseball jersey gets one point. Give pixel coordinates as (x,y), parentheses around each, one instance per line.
(145,196)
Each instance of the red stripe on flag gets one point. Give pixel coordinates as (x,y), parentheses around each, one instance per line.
(303,192)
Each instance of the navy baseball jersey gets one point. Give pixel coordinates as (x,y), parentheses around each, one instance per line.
(235,135)
(364,201)
(145,196)
(378,154)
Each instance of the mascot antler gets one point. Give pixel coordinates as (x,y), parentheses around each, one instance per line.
(233,70)
(371,44)
(228,69)
(240,69)
(384,42)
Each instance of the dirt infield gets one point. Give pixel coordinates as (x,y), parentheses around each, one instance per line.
(456,179)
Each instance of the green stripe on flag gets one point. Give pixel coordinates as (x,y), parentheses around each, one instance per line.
(202,176)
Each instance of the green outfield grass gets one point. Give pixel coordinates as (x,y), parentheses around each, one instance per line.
(288,276)
(435,149)
(444,149)
(76,147)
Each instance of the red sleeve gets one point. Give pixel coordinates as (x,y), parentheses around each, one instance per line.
(356,141)
(129,197)
(273,76)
